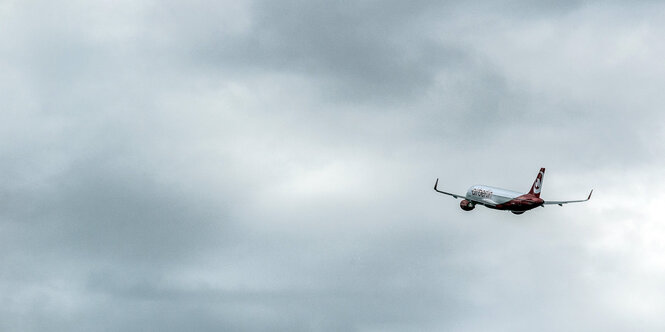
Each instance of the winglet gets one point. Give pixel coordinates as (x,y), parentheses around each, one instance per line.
(436,184)
(588,198)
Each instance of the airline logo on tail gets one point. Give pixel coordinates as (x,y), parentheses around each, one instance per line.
(537,185)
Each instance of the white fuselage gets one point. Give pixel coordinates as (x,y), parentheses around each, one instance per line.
(490,195)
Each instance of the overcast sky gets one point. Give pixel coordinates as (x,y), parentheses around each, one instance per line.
(268,165)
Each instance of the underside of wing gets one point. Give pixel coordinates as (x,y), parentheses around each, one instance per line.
(487,201)
(447,193)
(560,203)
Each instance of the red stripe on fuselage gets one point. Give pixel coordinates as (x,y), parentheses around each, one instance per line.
(520,203)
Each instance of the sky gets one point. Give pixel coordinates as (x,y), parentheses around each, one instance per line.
(268,165)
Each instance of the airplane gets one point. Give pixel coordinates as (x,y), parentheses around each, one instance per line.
(502,199)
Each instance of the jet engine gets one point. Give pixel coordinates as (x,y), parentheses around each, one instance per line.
(466,205)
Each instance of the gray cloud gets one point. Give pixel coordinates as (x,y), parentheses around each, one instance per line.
(268,165)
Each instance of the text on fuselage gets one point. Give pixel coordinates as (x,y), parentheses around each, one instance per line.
(481,192)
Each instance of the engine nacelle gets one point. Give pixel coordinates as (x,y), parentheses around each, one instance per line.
(466,205)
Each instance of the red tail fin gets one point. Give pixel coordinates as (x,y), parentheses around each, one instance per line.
(538,184)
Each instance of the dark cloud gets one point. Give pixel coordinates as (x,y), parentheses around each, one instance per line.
(356,51)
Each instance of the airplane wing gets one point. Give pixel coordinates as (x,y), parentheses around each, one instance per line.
(443,192)
(560,203)
(487,201)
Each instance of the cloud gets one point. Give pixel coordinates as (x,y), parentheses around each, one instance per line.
(267,165)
